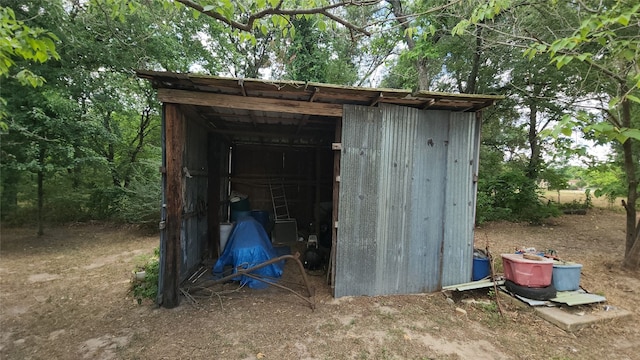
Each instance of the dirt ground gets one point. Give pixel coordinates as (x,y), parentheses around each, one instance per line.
(66,296)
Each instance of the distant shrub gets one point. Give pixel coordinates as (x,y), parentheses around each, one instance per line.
(512,196)
(576,204)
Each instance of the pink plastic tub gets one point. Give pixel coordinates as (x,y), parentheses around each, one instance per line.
(525,272)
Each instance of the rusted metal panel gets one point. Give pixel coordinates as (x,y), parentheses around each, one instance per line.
(459,208)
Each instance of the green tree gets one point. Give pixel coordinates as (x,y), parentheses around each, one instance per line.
(556,179)
(19,42)
(608,179)
(318,56)
(606,37)
(94,127)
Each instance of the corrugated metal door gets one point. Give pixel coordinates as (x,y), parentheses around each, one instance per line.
(460,204)
(395,220)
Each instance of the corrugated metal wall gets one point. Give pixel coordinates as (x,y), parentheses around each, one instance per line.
(462,157)
(404,225)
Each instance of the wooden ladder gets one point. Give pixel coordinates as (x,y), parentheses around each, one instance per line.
(279,201)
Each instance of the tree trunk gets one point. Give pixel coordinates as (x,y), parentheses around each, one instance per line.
(41,156)
(472,80)
(138,143)
(632,259)
(534,161)
(632,248)
(421,62)
(9,194)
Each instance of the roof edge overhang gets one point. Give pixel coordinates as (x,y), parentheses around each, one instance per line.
(308,98)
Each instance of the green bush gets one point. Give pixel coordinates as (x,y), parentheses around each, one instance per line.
(147,288)
(487,211)
(578,204)
(105,203)
(138,203)
(512,196)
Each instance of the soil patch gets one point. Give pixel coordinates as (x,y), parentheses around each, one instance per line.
(66,295)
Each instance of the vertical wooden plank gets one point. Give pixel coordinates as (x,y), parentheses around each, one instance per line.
(334,212)
(174,142)
(213,196)
(316,196)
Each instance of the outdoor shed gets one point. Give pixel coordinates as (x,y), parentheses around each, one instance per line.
(391,172)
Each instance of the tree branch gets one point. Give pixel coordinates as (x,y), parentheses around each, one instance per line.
(323,10)
(400,19)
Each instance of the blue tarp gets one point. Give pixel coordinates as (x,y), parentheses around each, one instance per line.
(249,246)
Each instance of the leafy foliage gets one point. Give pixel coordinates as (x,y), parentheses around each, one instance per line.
(608,180)
(19,41)
(578,204)
(147,288)
(91,134)
(512,196)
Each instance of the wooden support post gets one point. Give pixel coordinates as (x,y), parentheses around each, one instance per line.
(213,196)
(316,203)
(336,199)
(174,149)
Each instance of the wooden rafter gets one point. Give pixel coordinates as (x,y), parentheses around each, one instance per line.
(428,104)
(377,100)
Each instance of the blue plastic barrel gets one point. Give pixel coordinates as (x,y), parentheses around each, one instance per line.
(239,214)
(263,218)
(566,277)
(480,268)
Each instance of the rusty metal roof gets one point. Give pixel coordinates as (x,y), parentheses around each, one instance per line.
(286,112)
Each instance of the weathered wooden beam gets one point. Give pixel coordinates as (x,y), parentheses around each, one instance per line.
(243,103)
(273,134)
(174,151)
(292,121)
(331,276)
(213,196)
